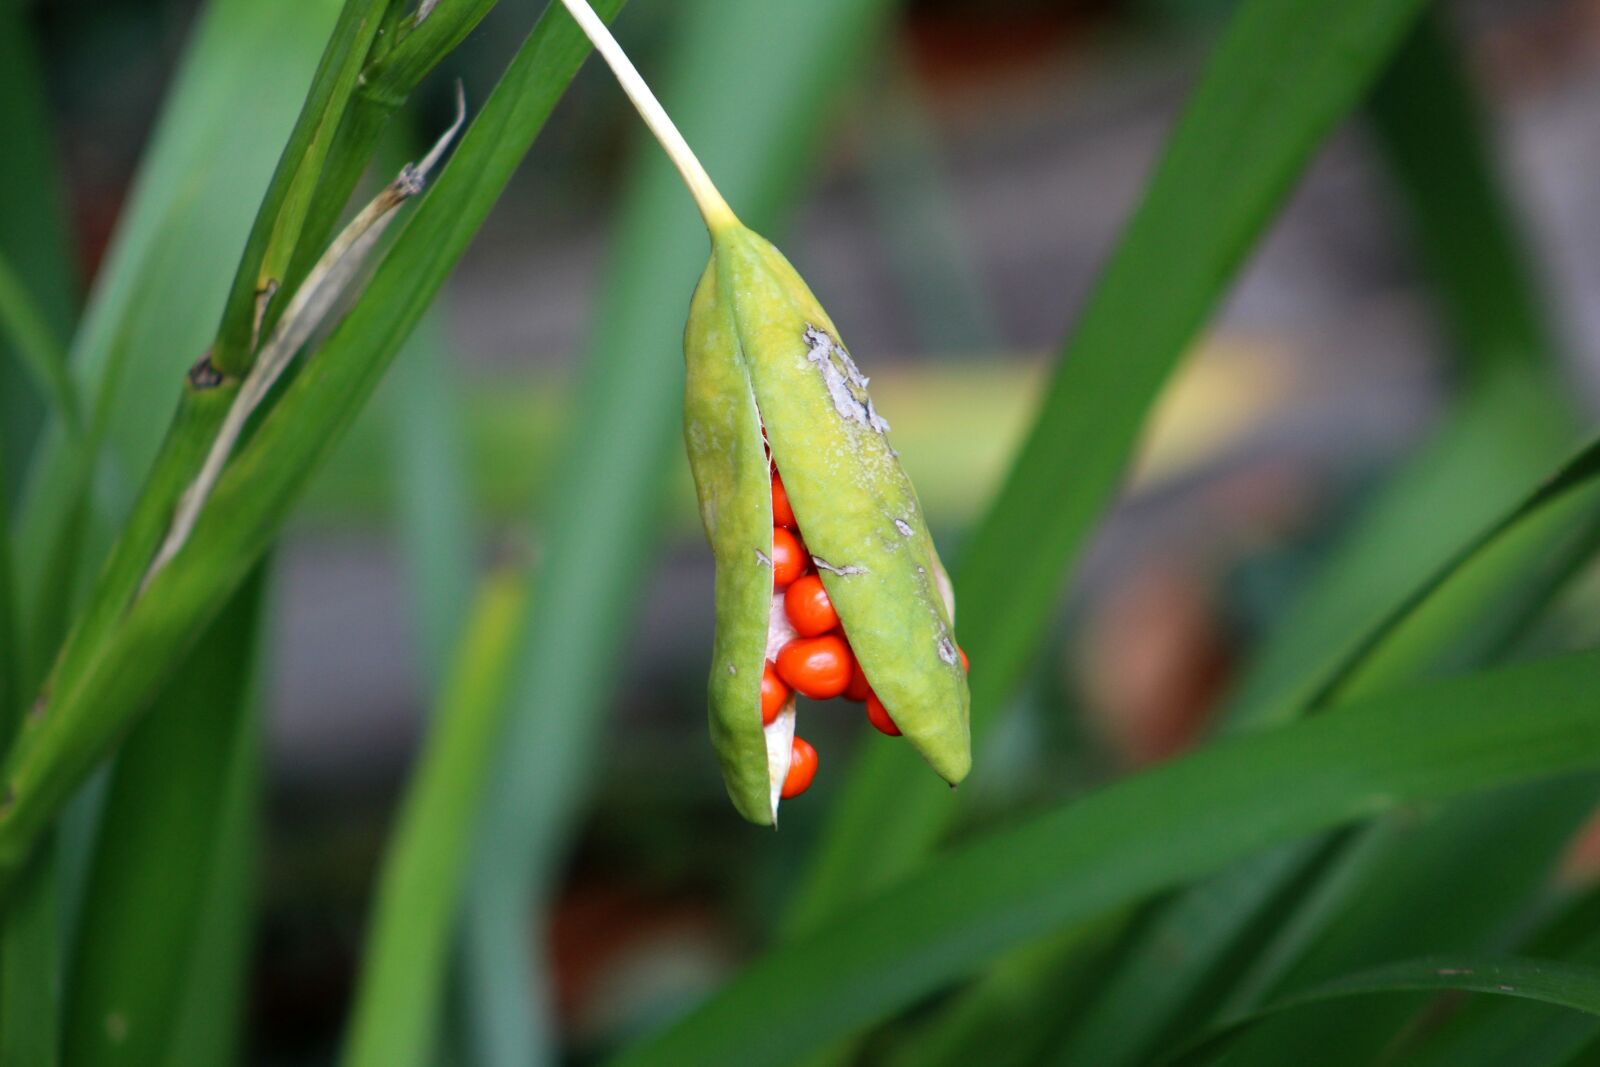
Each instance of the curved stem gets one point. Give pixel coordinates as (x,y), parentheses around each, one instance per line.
(713,208)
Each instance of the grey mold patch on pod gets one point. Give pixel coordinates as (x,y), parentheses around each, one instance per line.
(947,650)
(847,386)
(904,527)
(843,572)
(732,669)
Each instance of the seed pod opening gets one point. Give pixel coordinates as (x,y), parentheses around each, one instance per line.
(763,358)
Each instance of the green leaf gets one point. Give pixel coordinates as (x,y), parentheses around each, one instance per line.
(995,1020)
(1574,479)
(103,684)
(276,232)
(1430,130)
(1280,79)
(148,976)
(13,657)
(158,294)
(1566,985)
(1179,962)
(1509,428)
(38,349)
(1161,828)
(1478,466)
(1419,890)
(30,952)
(432,486)
(1492,1031)
(33,230)
(399,1000)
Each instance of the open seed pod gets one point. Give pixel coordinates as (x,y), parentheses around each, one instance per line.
(762,355)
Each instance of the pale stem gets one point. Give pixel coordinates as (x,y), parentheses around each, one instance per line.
(713,208)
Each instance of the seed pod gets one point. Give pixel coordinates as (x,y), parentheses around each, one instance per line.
(761,354)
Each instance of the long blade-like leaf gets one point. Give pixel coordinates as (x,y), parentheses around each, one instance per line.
(1489,1032)
(30,977)
(276,232)
(1283,75)
(114,676)
(433,494)
(398,1003)
(1566,985)
(162,860)
(39,351)
(1508,429)
(1419,891)
(1145,833)
(159,291)
(33,231)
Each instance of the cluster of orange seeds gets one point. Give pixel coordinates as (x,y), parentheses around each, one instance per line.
(818,662)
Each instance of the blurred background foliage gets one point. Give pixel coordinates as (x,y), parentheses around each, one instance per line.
(1405,352)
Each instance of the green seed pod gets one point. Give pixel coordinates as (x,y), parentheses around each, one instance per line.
(761,353)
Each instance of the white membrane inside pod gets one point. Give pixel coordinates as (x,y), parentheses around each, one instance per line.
(780,751)
(779,630)
(780,735)
(946,590)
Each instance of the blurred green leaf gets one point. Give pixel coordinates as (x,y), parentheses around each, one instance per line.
(1177,964)
(1511,426)
(30,972)
(1492,1031)
(36,346)
(748,84)
(1282,76)
(1423,889)
(435,513)
(993,1021)
(399,999)
(1213,919)
(1430,130)
(13,658)
(1160,828)
(1506,432)
(1548,981)
(148,978)
(33,231)
(1572,482)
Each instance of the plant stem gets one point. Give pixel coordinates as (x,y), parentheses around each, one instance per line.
(712,207)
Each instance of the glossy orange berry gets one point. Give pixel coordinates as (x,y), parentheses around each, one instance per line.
(964,664)
(808,607)
(819,667)
(802,768)
(773,694)
(878,716)
(858,689)
(788,558)
(782,513)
